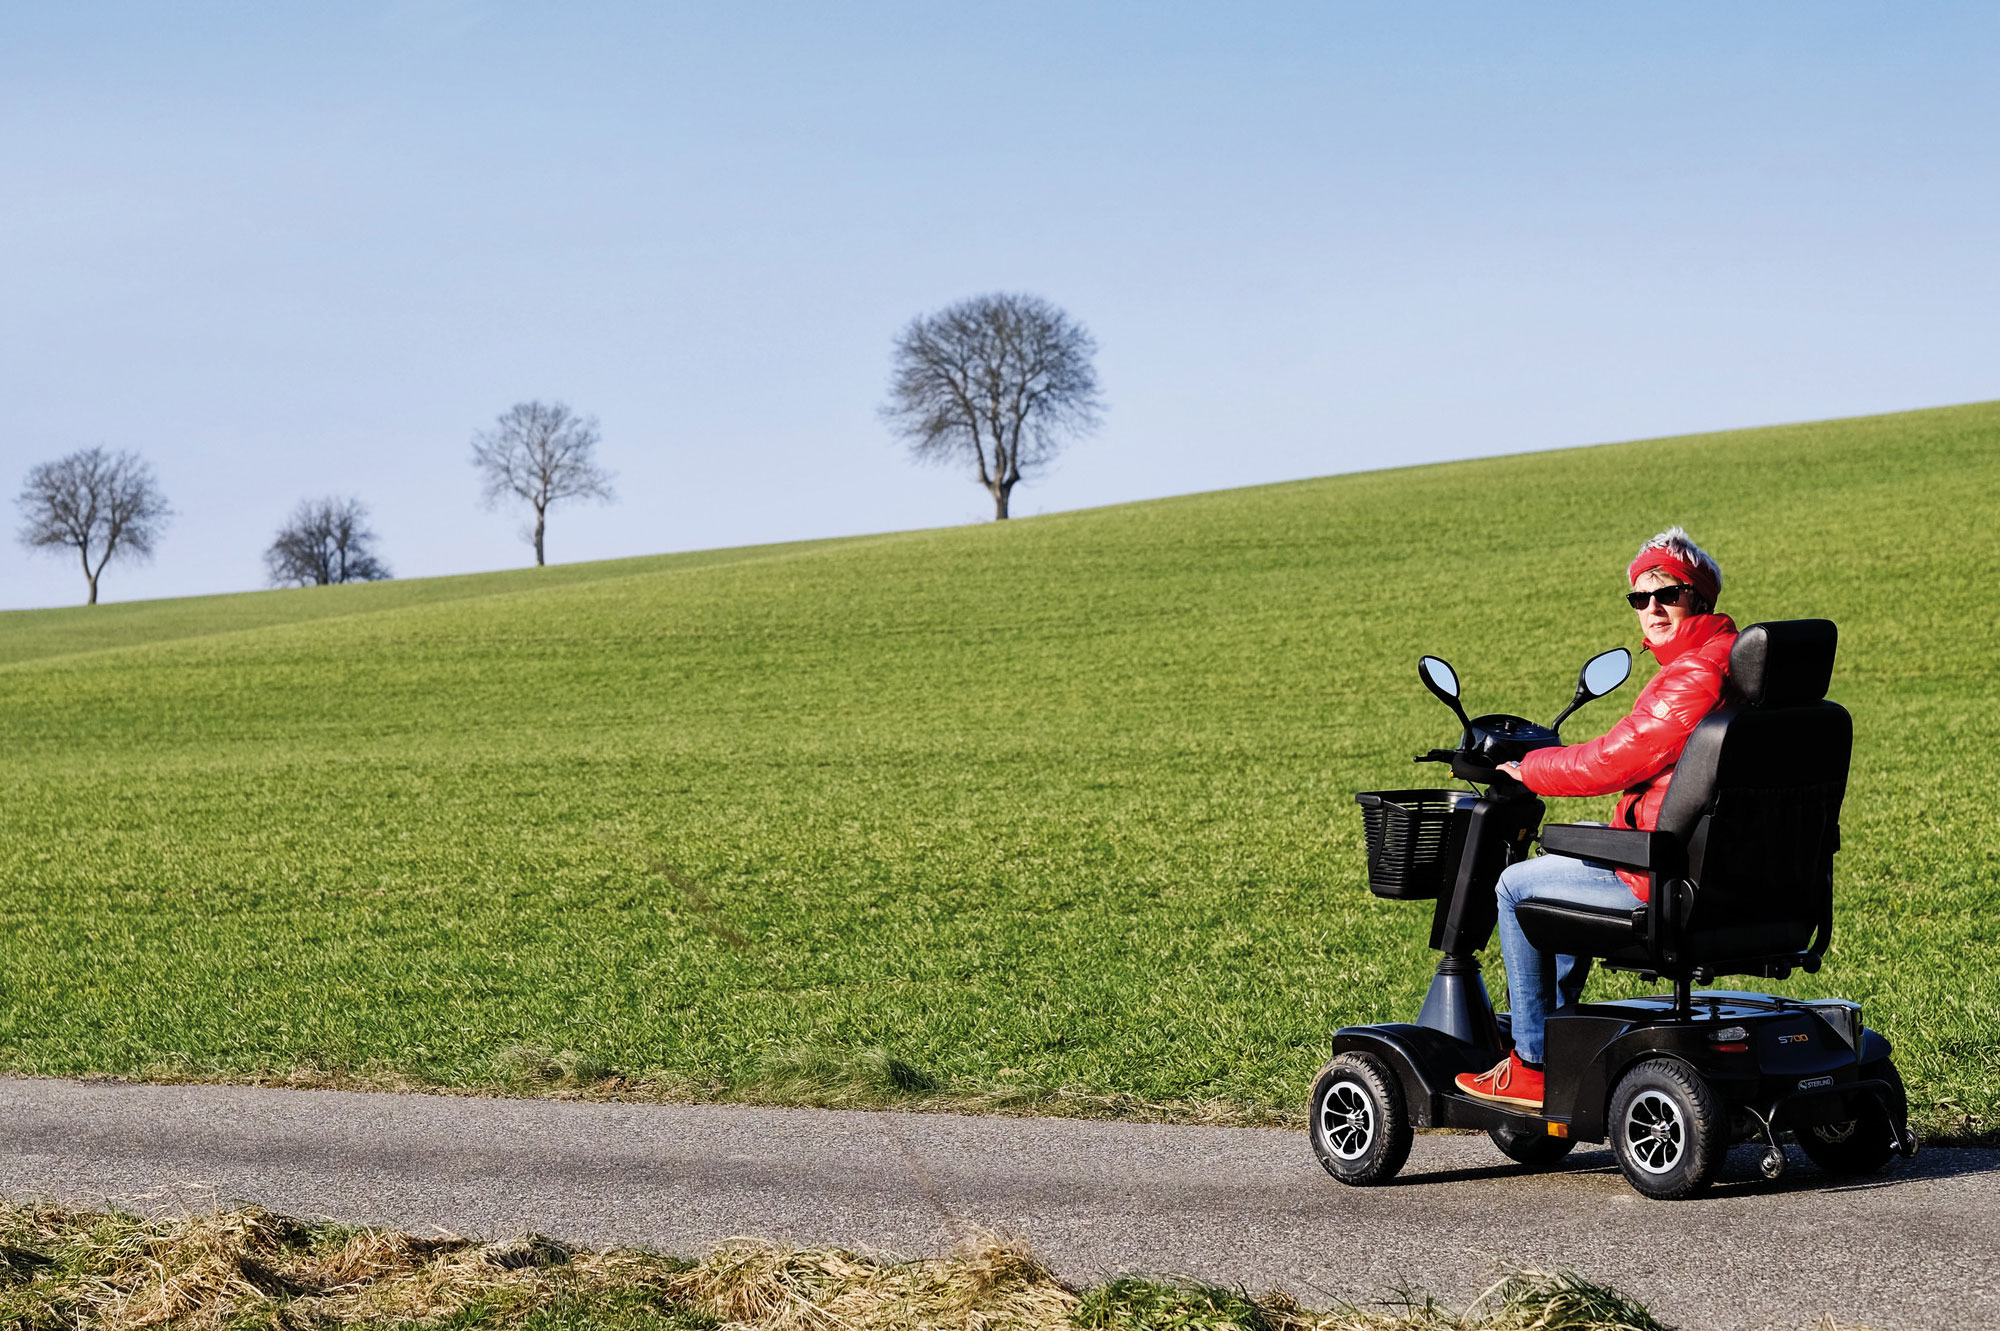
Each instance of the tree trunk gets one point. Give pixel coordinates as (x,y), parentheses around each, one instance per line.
(541,522)
(1000,493)
(93,589)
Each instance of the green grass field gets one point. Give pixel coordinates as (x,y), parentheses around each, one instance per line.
(1053,812)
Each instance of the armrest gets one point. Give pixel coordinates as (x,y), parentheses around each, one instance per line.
(1657,853)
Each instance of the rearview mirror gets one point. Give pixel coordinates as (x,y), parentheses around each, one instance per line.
(1604,672)
(1439,677)
(1600,674)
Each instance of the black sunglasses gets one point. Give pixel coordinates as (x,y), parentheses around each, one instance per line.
(1664,595)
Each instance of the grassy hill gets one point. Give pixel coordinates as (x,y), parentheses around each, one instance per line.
(1048,812)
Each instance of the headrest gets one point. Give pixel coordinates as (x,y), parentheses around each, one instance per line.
(1783,663)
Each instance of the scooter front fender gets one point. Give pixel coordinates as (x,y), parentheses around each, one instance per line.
(1425,1061)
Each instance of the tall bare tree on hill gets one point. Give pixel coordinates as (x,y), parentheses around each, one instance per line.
(1001,380)
(96,503)
(544,453)
(325,541)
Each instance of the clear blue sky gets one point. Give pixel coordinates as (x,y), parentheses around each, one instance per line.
(298,249)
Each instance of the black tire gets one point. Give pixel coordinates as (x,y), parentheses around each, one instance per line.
(1359,1124)
(1668,1130)
(1532,1150)
(1864,1143)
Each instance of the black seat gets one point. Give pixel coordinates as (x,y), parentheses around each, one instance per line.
(1741,865)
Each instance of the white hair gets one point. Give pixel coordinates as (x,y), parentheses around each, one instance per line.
(1676,542)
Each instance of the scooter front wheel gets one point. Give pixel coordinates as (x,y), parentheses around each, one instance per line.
(1359,1123)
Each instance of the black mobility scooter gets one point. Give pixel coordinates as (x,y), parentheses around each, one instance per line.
(1741,871)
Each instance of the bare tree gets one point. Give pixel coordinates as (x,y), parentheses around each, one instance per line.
(96,503)
(1003,380)
(541,452)
(325,541)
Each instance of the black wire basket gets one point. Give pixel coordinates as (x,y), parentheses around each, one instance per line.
(1414,839)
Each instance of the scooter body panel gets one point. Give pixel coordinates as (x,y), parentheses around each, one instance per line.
(1797,1068)
(1795,1065)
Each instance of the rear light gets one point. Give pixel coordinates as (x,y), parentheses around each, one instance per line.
(1843,1016)
(1729,1035)
(1734,1047)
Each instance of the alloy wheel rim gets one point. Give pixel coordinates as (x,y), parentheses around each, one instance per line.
(1656,1132)
(1347,1120)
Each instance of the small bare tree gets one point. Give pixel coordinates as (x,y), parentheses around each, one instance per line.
(325,541)
(1002,380)
(96,503)
(541,452)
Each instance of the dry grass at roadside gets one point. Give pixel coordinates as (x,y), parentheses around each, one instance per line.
(64,1270)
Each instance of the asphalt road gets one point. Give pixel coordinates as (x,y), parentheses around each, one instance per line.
(1917,1247)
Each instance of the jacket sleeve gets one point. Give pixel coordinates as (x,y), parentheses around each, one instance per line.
(1642,745)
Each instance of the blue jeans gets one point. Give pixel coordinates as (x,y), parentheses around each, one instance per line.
(1533,975)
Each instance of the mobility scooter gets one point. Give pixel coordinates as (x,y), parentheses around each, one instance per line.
(1741,872)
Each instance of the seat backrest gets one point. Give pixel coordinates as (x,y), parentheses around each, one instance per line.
(1756,797)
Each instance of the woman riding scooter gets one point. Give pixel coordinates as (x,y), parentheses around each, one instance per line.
(1675,584)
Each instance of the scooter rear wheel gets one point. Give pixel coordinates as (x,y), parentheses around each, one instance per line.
(1863,1144)
(1359,1123)
(1667,1129)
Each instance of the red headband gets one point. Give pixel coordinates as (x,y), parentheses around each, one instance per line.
(1699,576)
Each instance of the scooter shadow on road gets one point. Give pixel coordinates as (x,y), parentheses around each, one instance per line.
(1740,1177)
(1582,1162)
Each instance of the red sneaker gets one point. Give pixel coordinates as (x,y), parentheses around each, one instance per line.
(1510,1082)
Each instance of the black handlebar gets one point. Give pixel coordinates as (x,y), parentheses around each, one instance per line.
(1475,767)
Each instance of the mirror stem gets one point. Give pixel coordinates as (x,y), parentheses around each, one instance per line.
(1579,700)
(1464,721)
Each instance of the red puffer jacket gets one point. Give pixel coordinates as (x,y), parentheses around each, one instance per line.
(1638,754)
